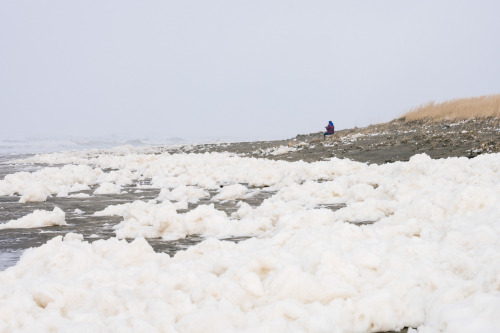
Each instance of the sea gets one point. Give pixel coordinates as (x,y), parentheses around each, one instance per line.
(33,145)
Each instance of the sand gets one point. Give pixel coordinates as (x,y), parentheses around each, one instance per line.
(381,143)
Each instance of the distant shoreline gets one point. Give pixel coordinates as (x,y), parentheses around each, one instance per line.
(397,140)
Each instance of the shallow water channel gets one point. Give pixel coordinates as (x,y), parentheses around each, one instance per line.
(14,241)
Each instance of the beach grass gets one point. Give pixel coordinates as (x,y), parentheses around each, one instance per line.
(487,106)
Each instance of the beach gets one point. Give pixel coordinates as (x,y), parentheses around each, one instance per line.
(379,143)
(384,228)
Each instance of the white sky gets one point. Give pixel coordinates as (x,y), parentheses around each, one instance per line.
(253,69)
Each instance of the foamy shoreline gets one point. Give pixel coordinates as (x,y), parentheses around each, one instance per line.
(335,245)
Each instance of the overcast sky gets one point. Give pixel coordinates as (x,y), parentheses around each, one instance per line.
(249,69)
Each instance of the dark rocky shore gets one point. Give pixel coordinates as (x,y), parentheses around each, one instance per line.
(380,143)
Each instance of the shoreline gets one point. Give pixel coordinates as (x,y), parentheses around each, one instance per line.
(381,143)
(389,142)
(126,213)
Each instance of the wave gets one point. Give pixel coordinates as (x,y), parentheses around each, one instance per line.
(33,145)
(48,145)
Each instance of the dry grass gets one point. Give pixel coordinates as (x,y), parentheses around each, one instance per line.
(457,109)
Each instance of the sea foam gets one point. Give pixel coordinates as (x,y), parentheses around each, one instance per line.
(428,257)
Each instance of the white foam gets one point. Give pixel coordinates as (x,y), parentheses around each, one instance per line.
(148,219)
(37,186)
(232,192)
(207,170)
(108,188)
(280,150)
(430,261)
(37,219)
(183,193)
(79,195)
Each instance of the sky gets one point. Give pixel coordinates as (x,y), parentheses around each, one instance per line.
(236,69)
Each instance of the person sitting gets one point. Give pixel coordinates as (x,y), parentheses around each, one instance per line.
(330,129)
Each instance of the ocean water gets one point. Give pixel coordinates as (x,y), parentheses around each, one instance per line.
(124,239)
(18,146)
(33,145)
